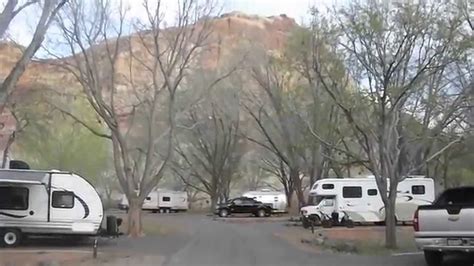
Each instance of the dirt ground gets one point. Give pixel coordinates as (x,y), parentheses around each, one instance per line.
(122,251)
(177,239)
(34,258)
(73,257)
(368,239)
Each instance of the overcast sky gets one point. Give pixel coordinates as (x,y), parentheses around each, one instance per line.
(22,27)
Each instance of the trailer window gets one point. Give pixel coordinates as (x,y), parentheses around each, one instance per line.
(166,199)
(328,186)
(372,192)
(418,190)
(352,192)
(63,199)
(14,198)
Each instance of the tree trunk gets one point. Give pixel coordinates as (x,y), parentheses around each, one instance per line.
(391,222)
(289,197)
(213,202)
(6,151)
(295,177)
(135,218)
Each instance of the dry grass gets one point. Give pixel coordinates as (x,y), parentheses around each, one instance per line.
(152,226)
(368,240)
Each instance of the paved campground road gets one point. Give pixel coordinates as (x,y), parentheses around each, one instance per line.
(192,239)
(222,243)
(215,243)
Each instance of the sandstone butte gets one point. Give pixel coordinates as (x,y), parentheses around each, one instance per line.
(230,32)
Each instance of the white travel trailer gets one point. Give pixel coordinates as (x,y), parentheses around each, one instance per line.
(275,199)
(163,201)
(47,203)
(359,200)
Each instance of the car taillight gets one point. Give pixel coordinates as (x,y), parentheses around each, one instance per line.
(416,225)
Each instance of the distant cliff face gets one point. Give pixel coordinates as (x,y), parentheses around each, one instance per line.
(229,32)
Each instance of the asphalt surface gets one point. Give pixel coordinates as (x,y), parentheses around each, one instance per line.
(205,241)
(220,243)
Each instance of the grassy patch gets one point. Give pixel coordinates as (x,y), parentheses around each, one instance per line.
(362,240)
(154,228)
(372,248)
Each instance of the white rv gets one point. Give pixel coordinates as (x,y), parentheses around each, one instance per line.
(275,199)
(47,203)
(163,201)
(359,200)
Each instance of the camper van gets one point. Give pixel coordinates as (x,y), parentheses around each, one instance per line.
(274,199)
(162,200)
(47,203)
(359,200)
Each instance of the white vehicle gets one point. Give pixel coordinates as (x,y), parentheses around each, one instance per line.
(274,199)
(358,200)
(163,201)
(47,203)
(447,226)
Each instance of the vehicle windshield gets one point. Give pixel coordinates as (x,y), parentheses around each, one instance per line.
(457,196)
(316,199)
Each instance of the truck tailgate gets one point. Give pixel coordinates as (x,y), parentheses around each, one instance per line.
(446,221)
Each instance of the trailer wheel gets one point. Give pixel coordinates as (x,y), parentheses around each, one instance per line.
(167,210)
(162,210)
(11,237)
(433,258)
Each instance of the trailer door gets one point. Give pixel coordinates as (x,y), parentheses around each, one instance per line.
(151,201)
(68,201)
(356,204)
(62,206)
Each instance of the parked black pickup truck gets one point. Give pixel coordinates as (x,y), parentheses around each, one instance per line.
(244,205)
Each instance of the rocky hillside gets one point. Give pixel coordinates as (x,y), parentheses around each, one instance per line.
(229,33)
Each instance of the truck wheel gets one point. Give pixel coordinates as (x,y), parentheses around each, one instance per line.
(433,258)
(315,219)
(306,223)
(326,223)
(347,222)
(223,213)
(261,213)
(11,237)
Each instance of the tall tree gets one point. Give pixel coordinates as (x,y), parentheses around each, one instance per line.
(276,121)
(373,60)
(132,83)
(277,167)
(211,148)
(65,144)
(49,10)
